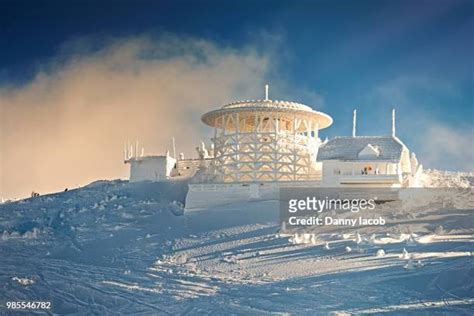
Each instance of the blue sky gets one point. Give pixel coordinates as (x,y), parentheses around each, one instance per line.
(341,49)
(416,56)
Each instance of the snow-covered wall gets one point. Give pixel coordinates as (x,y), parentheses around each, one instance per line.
(151,168)
(367,173)
(187,167)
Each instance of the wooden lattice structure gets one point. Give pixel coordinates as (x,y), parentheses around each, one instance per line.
(265,140)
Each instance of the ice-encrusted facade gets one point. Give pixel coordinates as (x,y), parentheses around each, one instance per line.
(260,146)
(381,161)
(263,145)
(265,140)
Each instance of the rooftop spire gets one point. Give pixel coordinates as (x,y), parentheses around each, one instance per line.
(266,92)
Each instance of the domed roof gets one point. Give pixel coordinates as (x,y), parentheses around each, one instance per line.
(284,108)
(268,104)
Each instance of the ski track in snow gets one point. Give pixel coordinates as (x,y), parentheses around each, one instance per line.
(117,248)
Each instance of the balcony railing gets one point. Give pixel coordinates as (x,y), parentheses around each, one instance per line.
(371,178)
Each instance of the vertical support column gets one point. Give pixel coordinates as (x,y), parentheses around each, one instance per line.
(277,123)
(310,130)
(275,146)
(255,135)
(224,126)
(237,145)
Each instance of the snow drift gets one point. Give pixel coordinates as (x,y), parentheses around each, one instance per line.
(118,248)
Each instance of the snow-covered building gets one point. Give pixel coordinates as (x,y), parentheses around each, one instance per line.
(265,141)
(165,167)
(368,161)
(151,168)
(260,146)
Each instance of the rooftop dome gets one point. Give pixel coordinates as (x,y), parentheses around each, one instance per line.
(276,104)
(278,110)
(283,109)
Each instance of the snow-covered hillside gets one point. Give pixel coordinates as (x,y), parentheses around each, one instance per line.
(118,248)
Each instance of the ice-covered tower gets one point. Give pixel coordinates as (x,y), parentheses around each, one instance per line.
(265,140)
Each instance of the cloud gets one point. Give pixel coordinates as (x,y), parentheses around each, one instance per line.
(67,126)
(428,119)
(447,147)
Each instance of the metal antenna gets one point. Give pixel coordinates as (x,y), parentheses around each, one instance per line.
(354,123)
(174,149)
(393,122)
(266,92)
(125,151)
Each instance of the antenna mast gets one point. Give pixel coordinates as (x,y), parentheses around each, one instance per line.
(125,151)
(393,122)
(266,92)
(174,149)
(354,123)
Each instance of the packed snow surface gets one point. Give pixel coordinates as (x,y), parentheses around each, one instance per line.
(117,248)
